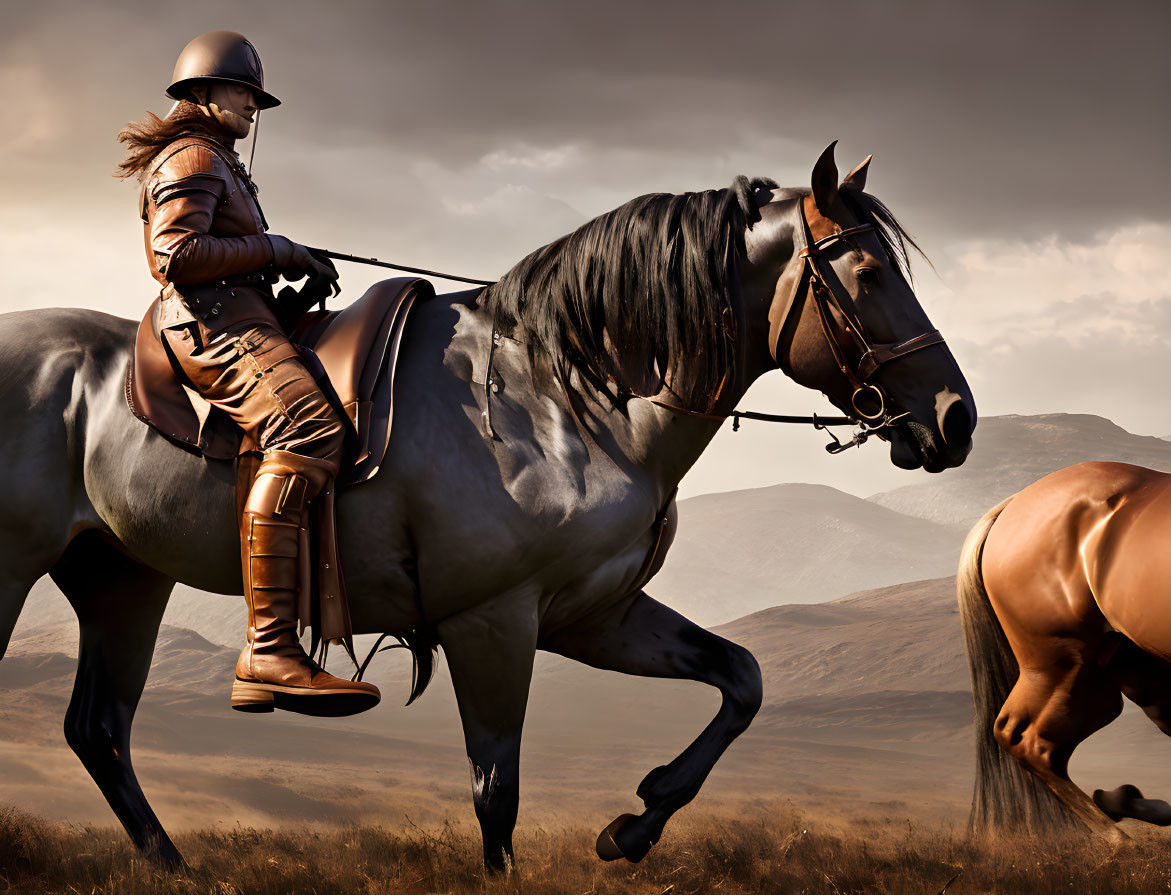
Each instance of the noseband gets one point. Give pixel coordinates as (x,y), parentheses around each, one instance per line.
(856,356)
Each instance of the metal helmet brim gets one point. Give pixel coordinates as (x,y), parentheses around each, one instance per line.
(220,56)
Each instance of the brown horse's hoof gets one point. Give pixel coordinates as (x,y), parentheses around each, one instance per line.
(1128,801)
(607,847)
(1116,803)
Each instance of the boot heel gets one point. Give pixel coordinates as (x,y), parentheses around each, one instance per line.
(248,697)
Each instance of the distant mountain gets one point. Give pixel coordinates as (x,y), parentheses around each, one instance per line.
(905,637)
(742,551)
(893,652)
(1014,451)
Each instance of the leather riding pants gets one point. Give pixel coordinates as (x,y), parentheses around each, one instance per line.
(253,373)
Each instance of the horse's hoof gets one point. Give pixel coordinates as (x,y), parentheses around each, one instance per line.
(1117,803)
(1127,801)
(607,846)
(617,841)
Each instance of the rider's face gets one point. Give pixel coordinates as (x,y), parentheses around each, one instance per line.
(233,105)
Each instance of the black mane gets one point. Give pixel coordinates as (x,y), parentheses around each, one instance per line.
(637,295)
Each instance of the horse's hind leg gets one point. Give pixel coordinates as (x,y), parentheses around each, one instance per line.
(639,635)
(1054,706)
(119,605)
(1146,681)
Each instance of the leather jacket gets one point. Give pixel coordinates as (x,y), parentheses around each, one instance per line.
(204,236)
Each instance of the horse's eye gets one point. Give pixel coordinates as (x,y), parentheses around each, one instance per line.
(867,276)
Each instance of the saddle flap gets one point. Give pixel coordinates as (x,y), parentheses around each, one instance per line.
(155,394)
(358,348)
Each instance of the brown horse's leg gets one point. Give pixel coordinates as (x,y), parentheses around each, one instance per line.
(1047,715)
(641,636)
(119,605)
(1146,681)
(490,651)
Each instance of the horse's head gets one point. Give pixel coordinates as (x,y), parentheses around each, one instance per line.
(829,268)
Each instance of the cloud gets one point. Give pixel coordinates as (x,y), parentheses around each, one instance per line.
(33,119)
(978,128)
(1074,287)
(1058,324)
(532,157)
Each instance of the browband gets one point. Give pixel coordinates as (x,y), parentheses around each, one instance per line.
(841,324)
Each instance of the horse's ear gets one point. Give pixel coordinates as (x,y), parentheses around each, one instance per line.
(857,177)
(825,180)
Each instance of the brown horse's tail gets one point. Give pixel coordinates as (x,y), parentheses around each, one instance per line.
(1007,797)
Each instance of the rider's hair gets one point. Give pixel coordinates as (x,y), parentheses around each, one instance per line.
(650,281)
(149,136)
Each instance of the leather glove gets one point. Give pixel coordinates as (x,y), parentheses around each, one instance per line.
(292,303)
(294,261)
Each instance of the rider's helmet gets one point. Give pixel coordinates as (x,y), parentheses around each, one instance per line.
(220,56)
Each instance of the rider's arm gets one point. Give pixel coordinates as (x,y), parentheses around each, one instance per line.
(185,193)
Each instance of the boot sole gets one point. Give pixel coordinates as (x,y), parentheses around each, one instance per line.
(256,698)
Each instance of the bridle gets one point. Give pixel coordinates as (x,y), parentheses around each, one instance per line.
(858,357)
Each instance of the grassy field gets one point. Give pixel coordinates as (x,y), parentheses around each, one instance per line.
(764,850)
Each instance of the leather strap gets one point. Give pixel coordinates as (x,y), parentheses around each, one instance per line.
(881,354)
(843,329)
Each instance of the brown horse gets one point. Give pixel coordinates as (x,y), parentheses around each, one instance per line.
(1063,590)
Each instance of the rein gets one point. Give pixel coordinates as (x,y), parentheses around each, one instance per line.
(374,262)
(836,446)
(845,336)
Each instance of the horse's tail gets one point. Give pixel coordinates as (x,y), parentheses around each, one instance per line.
(1006,796)
(421,644)
(424,650)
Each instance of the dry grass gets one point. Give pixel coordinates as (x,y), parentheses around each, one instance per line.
(763,850)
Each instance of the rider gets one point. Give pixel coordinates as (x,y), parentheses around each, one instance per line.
(206,244)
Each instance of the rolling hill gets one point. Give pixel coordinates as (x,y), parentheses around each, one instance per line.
(866,704)
(1014,451)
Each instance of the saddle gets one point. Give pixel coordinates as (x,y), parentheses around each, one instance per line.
(352,354)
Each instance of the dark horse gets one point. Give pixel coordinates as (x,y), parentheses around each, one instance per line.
(614,354)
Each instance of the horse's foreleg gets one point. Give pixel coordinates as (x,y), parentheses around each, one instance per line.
(642,636)
(119,606)
(13,593)
(23,559)
(490,653)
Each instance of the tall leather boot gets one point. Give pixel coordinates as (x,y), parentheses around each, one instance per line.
(273,672)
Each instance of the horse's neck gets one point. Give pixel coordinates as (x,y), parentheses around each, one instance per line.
(671,441)
(656,435)
(673,436)
(650,440)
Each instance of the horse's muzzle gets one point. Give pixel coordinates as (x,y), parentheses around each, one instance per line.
(956,424)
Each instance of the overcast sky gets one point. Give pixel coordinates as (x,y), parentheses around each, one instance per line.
(1026,146)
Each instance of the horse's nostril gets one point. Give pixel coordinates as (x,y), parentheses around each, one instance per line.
(955,424)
